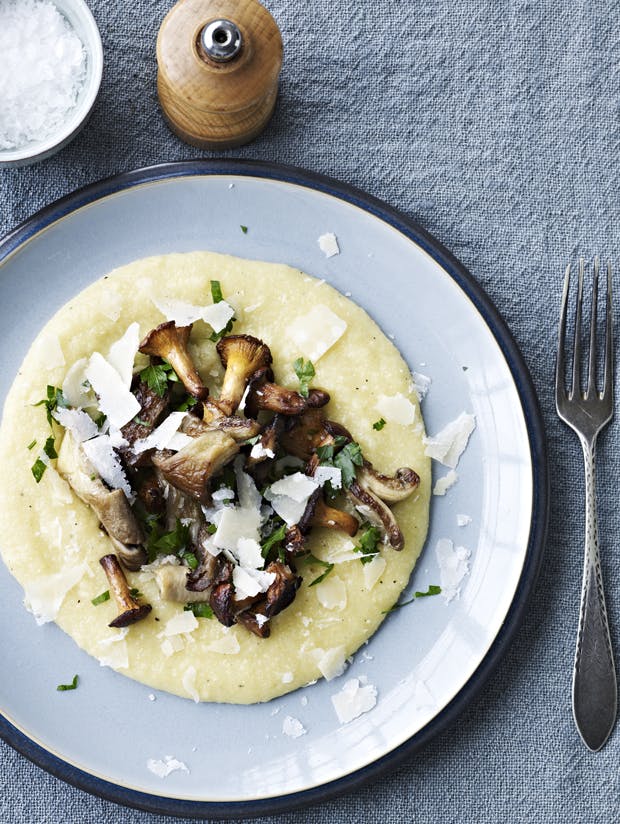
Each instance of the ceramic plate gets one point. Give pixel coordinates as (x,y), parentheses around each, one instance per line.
(428,658)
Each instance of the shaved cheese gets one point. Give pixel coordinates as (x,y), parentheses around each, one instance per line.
(189,683)
(463,520)
(332,474)
(339,554)
(223,494)
(235,524)
(249,553)
(421,384)
(353,700)
(373,571)
(115,400)
(51,351)
(448,445)
(249,496)
(110,303)
(453,567)
(171,645)
(74,391)
(328,243)
(331,663)
(443,484)
(163,768)
(100,452)
(259,451)
(181,622)
(289,510)
(43,596)
(116,655)
(81,425)
(123,353)
(299,487)
(179,441)
(216,315)
(396,409)
(332,593)
(160,437)
(287,677)
(226,645)
(293,727)
(315,333)
(249,582)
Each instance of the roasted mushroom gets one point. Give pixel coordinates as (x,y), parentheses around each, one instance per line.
(153,409)
(267,445)
(387,487)
(131,610)
(111,506)
(169,342)
(241,356)
(240,429)
(282,591)
(191,468)
(172,580)
(255,621)
(376,512)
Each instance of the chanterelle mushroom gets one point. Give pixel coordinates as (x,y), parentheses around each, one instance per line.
(241,356)
(169,342)
(110,506)
(130,609)
(191,468)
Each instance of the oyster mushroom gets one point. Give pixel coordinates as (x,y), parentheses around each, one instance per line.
(282,591)
(240,429)
(318,513)
(169,342)
(267,445)
(110,506)
(241,356)
(376,512)
(390,488)
(221,599)
(131,610)
(172,580)
(275,398)
(191,468)
(153,408)
(255,621)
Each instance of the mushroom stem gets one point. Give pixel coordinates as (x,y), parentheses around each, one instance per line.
(376,512)
(130,609)
(241,356)
(169,342)
(331,518)
(387,487)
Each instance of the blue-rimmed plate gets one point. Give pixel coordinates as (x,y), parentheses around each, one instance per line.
(428,659)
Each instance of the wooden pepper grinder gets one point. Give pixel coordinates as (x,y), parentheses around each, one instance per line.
(219,63)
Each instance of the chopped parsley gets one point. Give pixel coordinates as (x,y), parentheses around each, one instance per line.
(378,425)
(142,423)
(167,543)
(54,399)
(101,599)
(189,558)
(71,686)
(368,543)
(135,592)
(50,448)
(432,590)
(211,529)
(200,609)
(312,559)
(216,294)
(156,377)
(346,460)
(305,372)
(32,444)
(38,469)
(276,536)
(100,420)
(244,229)
(187,404)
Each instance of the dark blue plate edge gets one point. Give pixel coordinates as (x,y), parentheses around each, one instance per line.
(270,806)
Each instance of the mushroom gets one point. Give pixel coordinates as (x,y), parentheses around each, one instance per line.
(275,398)
(304,433)
(150,493)
(268,442)
(240,429)
(110,506)
(131,610)
(376,512)
(255,621)
(318,513)
(169,342)
(191,468)
(389,488)
(201,578)
(172,580)
(153,409)
(241,356)
(282,591)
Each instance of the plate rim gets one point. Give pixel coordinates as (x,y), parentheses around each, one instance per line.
(190,808)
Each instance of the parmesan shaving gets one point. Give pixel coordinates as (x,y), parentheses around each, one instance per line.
(180,623)
(444,483)
(315,333)
(161,437)
(226,645)
(189,684)
(353,700)
(115,400)
(100,452)
(43,596)
(81,425)
(123,353)
(330,662)
(373,571)
(163,768)
(449,444)
(328,244)
(396,409)
(453,567)
(293,727)
(332,593)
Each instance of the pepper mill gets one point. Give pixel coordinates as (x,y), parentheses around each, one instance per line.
(218,68)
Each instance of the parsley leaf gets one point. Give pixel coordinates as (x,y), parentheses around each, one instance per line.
(38,469)
(216,294)
(216,291)
(347,459)
(54,399)
(244,229)
(71,686)
(187,404)
(50,448)
(328,569)
(273,539)
(368,543)
(305,372)
(433,589)
(378,425)
(135,592)
(32,444)
(156,378)
(200,609)
(100,599)
(168,543)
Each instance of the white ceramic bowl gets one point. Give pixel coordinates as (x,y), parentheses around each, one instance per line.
(79,16)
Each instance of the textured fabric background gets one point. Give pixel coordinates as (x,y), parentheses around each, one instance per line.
(496,126)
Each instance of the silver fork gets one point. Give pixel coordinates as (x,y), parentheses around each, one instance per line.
(594,676)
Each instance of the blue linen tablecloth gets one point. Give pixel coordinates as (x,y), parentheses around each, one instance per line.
(496,126)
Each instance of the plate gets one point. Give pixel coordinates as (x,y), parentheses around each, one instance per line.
(429,658)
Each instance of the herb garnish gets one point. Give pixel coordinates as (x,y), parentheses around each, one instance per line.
(216,294)
(135,592)
(305,372)
(32,444)
(142,423)
(156,377)
(346,460)
(71,686)
(54,399)
(244,229)
(101,599)
(200,609)
(167,543)
(187,403)
(378,425)
(433,589)
(314,560)
(50,448)
(273,539)
(38,469)
(368,543)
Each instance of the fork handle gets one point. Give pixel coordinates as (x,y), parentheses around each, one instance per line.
(594,676)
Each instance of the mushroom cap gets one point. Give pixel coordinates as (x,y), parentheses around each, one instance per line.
(244,350)
(130,616)
(164,337)
(390,488)
(191,468)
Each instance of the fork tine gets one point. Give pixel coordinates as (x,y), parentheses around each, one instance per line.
(560,364)
(576,388)
(591,387)
(609,381)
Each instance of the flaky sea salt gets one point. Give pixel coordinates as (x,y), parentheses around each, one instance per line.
(42,69)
